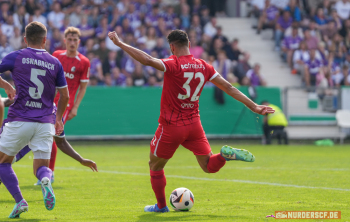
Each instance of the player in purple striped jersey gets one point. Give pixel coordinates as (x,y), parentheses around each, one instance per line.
(31,121)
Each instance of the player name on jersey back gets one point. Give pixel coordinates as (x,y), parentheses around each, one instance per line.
(31,61)
(36,75)
(34,104)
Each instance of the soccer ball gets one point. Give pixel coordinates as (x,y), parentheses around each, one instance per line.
(181,199)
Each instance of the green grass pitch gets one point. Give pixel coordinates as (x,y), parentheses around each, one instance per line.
(282,178)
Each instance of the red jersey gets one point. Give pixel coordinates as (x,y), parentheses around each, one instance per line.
(76,70)
(184,79)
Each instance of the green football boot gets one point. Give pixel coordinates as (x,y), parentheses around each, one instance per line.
(19,208)
(230,153)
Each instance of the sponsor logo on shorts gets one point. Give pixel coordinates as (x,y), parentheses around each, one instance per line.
(308,214)
(153,142)
(187,105)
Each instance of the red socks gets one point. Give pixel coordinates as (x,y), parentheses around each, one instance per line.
(53,156)
(215,163)
(158,182)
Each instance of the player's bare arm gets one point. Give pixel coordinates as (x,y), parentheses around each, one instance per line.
(61,107)
(238,95)
(66,148)
(80,96)
(10,91)
(137,54)
(7,102)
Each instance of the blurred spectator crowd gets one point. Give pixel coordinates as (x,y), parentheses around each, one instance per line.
(312,36)
(144,24)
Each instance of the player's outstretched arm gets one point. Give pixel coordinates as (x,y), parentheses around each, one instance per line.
(10,91)
(66,148)
(79,98)
(238,95)
(61,107)
(137,54)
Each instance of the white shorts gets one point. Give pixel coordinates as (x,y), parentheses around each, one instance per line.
(38,136)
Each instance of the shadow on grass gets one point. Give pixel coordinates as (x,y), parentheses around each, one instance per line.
(19,219)
(185,216)
(38,188)
(30,201)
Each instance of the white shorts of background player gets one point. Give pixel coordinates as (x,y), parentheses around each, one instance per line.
(38,136)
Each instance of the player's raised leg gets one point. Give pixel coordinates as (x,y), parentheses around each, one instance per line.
(197,142)
(212,163)
(9,179)
(230,153)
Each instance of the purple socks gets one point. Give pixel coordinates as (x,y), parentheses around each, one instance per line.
(9,179)
(22,153)
(42,172)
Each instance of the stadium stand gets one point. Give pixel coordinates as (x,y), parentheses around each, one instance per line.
(141,23)
(297,29)
(312,37)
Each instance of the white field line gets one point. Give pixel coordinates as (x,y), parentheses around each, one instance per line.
(200,178)
(242,168)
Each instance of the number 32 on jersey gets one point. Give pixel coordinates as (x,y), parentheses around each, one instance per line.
(189,76)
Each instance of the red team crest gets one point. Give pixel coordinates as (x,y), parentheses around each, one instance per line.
(184,79)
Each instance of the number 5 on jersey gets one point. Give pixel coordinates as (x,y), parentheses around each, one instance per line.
(189,76)
(34,78)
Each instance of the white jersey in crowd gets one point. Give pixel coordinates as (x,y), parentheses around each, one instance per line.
(343,9)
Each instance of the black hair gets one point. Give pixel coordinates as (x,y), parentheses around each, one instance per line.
(178,38)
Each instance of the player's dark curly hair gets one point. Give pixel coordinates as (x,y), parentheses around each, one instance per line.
(178,37)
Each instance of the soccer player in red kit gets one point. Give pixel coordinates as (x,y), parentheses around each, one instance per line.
(76,68)
(179,122)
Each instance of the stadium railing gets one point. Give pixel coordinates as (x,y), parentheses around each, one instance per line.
(316,106)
